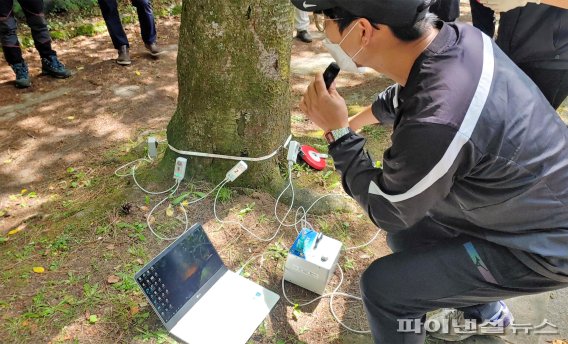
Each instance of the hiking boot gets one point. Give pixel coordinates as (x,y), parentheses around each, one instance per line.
(454,327)
(153,48)
(304,36)
(123,56)
(22,75)
(53,67)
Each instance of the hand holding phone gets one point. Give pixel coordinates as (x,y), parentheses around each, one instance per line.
(330,74)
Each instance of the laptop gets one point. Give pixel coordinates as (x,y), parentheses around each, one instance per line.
(197,298)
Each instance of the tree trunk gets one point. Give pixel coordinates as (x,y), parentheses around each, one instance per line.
(234,86)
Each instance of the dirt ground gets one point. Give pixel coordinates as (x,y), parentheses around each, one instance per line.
(63,210)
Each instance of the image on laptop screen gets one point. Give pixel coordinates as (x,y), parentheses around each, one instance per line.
(180,271)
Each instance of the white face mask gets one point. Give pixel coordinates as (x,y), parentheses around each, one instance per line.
(344,61)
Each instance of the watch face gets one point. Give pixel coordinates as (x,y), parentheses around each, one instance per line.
(329,137)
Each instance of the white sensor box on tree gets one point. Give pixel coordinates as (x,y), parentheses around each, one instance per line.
(312,261)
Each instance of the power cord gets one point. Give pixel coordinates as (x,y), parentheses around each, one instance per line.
(230,157)
(149,216)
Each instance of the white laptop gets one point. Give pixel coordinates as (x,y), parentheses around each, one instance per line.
(197,298)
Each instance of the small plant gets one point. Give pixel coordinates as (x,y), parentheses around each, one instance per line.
(296,312)
(247,209)
(176,10)
(277,251)
(136,230)
(349,264)
(61,243)
(225,195)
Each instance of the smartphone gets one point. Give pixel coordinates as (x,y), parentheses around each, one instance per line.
(330,74)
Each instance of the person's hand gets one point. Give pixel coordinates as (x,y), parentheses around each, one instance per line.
(506,5)
(326,108)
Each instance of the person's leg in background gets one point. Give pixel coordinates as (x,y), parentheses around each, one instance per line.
(11,45)
(460,272)
(483,18)
(552,83)
(147,25)
(109,10)
(302,24)
(33,10)
(446,10)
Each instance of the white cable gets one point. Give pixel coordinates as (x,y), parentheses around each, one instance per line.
(304,217)
(240,224)
(151,192)
(230,157)
(365,244)
(184,212)
(290,185)
(159,236)
(128,164)
(331,296)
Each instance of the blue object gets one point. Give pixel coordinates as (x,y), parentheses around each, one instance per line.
(304,242)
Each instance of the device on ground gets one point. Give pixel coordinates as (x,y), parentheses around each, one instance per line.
(312,260)
(197,298)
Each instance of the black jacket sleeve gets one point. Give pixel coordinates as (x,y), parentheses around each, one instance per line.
(417,172)
(384,107)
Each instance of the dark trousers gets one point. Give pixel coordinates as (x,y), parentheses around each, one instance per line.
(33,10)
(109,9)
(433,268)
(551,82)
(446,10)
(482,18)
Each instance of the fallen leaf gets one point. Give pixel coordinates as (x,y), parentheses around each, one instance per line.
(140,261)
(185,204)
(170,211)
(93,319)
(112,279)
(23,192)
(144,208)
(70,118)
(134,310)
(25,323)
(137,73)
(15,230)
(110,247)
(32,194)
(38,269)
(80,68)
(8,161)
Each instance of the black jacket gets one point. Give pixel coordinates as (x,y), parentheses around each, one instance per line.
(536,36)
(476,148)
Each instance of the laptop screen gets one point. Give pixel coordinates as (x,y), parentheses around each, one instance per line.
(178,273)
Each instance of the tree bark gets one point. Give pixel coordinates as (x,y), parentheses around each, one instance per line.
(234,86)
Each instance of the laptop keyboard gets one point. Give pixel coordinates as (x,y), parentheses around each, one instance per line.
(156,290)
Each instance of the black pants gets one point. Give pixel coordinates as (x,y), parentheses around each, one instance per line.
(446,10)
(434,268)
(109,9)
(482,18)
(33,10)
(552,83)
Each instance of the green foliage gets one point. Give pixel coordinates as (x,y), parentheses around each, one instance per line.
(88,30)
(225,195)
(71,5)
(176,10)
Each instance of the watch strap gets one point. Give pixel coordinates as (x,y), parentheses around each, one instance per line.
(334,135)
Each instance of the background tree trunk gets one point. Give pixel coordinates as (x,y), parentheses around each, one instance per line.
(234,85)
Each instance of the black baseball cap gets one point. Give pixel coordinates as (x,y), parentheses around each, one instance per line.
(395,13)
